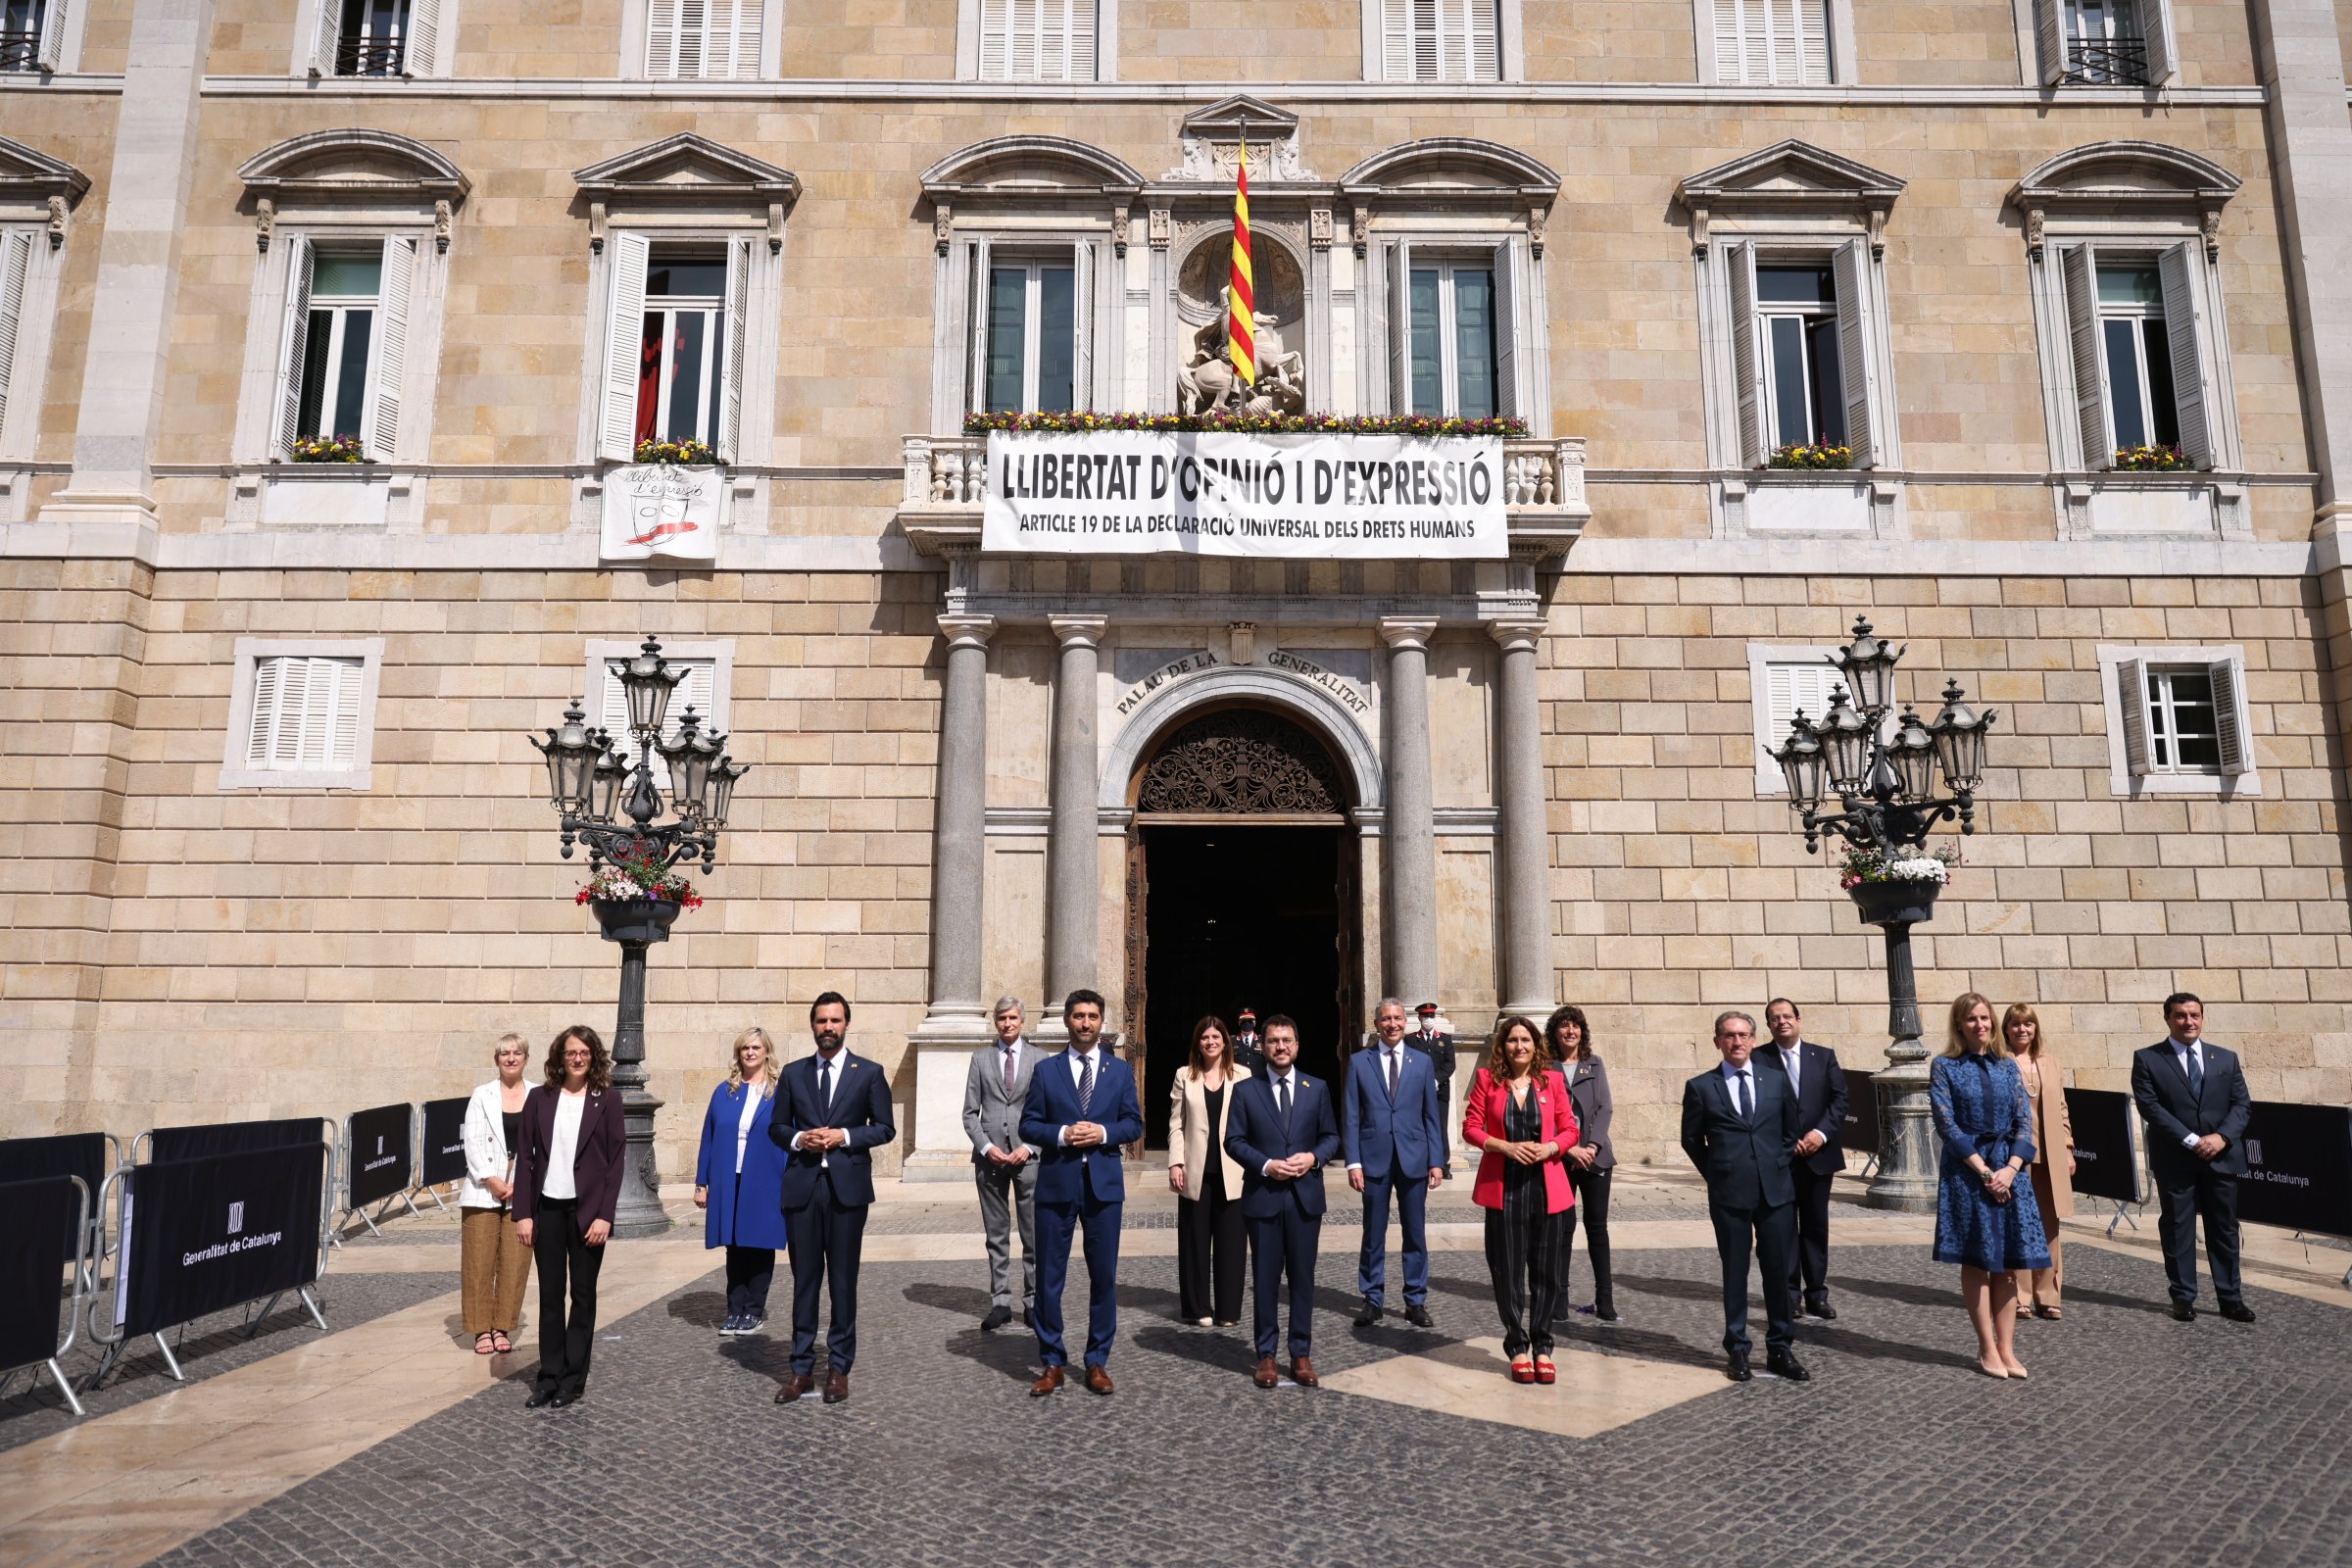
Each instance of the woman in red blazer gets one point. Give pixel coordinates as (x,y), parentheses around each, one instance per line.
(1519,1115)
(567,1184)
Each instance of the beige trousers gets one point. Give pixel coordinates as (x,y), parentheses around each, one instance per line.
(494,1267)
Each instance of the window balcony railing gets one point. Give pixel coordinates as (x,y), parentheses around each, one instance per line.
(21,51)
(360,56)
(2108,63)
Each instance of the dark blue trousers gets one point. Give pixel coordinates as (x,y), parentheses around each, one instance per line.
(1057,1225)
(1411,1191)
(826,1239)
(1769,1234)
(1285,1244)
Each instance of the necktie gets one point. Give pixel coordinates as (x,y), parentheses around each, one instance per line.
(1086,1084)
(1281,1101)
(824,1085)
(2196,1074)
(1740,1097)
(1391,1056)
(1008,1070)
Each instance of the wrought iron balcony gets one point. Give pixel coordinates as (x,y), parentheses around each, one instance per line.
(21,51)
(2108,63)
(356,55)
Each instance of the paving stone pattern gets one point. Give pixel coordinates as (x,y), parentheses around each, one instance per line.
(2139,1438)
(206,1349)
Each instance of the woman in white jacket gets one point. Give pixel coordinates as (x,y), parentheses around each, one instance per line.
(494,1265)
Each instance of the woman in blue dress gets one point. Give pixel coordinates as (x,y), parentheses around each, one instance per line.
(1985,1218)
(739,1181)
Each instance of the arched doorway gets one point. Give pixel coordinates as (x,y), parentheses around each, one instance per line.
(1241,891)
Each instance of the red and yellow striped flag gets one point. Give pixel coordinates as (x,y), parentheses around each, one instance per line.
(1241,340)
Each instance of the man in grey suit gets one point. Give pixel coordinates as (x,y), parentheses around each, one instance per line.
(1005,1167)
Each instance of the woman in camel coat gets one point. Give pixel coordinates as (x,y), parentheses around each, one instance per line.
(2053,1167)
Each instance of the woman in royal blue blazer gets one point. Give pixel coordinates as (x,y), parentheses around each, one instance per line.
(739,1181)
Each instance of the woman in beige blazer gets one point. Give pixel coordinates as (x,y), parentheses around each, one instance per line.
(1211,1246)
(2054,1135)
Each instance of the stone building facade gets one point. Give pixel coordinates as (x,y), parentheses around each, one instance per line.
(1980,245)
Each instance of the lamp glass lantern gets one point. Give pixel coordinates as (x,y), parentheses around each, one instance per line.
(1868,665)
(611,766)
(1912,756)
(724,774)
(647,680)
(1845,741)
(1959,735)
(570,753)
(1804,765)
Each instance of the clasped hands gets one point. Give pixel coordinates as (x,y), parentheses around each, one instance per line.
(1290,1167)
(1017,1158)
(1082,1135)
(1998,1182)
(822,1140)
(1529,1153)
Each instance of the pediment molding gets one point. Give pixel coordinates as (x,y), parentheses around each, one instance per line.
(2126,178)
(38,186)
(1792,181)
(1458,167)
(687,168)
(1030,166)
(353,165)
(1210,141)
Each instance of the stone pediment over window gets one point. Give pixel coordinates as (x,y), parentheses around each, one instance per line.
(1452,175)
(36,186)
(1794,182)
(687,176)
(355,171)
(2128,179)
(1023,169)
(1211,140)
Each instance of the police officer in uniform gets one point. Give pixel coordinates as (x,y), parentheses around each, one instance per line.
(1437,1044)
(1247,1051)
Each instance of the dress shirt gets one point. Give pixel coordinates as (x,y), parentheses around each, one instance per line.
(563,1146)
(1392,1057)
(1731,1077)
(1081,1064)
(743,1123)
(1284,1086)
(1790,1055)
(2182,1052)
(837,1063)
(1015,1050)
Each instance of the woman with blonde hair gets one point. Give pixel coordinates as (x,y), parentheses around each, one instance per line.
(2053,1135)
(739,1180)
(1211,1246)
(1985,1222)
(494,1266)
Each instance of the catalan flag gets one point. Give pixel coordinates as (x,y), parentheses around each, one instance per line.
(1240,341)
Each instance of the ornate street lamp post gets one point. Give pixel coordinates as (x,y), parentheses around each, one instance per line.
(590,780)
(1885,789)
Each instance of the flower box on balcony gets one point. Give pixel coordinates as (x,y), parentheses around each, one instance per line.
(1803,501)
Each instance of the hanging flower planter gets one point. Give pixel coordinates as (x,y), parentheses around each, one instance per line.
(1893,889)
(635,920)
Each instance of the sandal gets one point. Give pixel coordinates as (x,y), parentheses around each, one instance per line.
(2023,1311)
(1546,1371)
(501,1343)
(1523,1371)
(2050,1312)
(485,1344)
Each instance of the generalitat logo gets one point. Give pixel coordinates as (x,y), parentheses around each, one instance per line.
(236,1217)
(2253,1150)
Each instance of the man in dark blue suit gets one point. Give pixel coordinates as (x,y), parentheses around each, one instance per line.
(831,1111)
(1283,1132)
(1820,1083)
(2192,1095)
(1740,1128)
(1396,1140)
(1082,1105)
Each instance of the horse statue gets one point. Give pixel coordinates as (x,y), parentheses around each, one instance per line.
(1207,381)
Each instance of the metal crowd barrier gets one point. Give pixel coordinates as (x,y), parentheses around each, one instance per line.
(83,1269)
(346,1153)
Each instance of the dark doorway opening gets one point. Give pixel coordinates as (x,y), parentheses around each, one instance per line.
(1244,916)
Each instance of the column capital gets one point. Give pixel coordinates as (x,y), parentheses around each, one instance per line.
(1516,635)
(968,631)
(1407,632)
(1080,630)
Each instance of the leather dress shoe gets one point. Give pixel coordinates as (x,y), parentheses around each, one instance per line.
(798,1384)
(1098,1377)
(1302,1371)
(1046,1384)
(566,1400)
(1372,1313)
(1028,1317)
(997,1317)
(1823,1310)
(539,1398)
(2184,1311)
(836,1387)
(1266,1377)
(2237,1311)
(1785,1364)
(1417,1314)
(1735,1367)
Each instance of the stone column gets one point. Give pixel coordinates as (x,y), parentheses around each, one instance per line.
(1524,864)
(957,1018)
(146,189)
(1071,916)
(1410,832)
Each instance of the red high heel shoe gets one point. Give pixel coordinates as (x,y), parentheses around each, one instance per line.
(1523,1371)
(1545,1372)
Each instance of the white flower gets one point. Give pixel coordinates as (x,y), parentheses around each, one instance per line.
(1924,870)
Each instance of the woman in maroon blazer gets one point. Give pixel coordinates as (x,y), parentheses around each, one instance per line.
(1519,1115)
(566,1182)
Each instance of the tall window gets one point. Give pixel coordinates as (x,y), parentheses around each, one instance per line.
(2105,45)
(2141,407)
(706,38)
(32,33)
(1452,328)
(1441,40)
(375,37)
(1799,308)
(2184,734)
(1032,336)
(1037,41)
(1780,42)
(2133,324)
(2177,720)
(344,292)
(346,341)
(678,355)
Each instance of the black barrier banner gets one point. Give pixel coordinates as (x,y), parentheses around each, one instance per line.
(82,1154)
(444,1142)
(2299,1169)
(203,1235)
(1860,1134)
(379,1154)
(41,1215)
(2103,1164)
(167,1143)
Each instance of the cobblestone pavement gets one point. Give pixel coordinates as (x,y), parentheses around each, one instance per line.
(2139,1438)
(206,1349)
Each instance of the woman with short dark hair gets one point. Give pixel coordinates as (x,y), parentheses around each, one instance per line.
(567,1185)
(1590,1160)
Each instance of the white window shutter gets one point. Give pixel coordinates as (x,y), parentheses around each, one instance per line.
(996,22)
(2177,269)
(1755,41)
(2156,27)
(1083,66)
(297,338)
(260,731)
(1747,353)
(981,259)
(2230,718)
(390,352)
(736,327)
(343,739)
(1022,20)
(423,40)
(662,37)
(1728,61)
(733,47)
(624,332)
(2132,693)
(1790,689)
(693,36)
(16,262)
(49,52)
(1812,19)
(1506,330)
(1396,39)
(1857,324)
(1485,41)
(1082,326)
(1786,31)
(2079,277)
(1428,66)
(2049,40)
(1401,331)
(326,33)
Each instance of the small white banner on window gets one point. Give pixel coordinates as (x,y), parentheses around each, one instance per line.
(655,510)
(1312,497)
